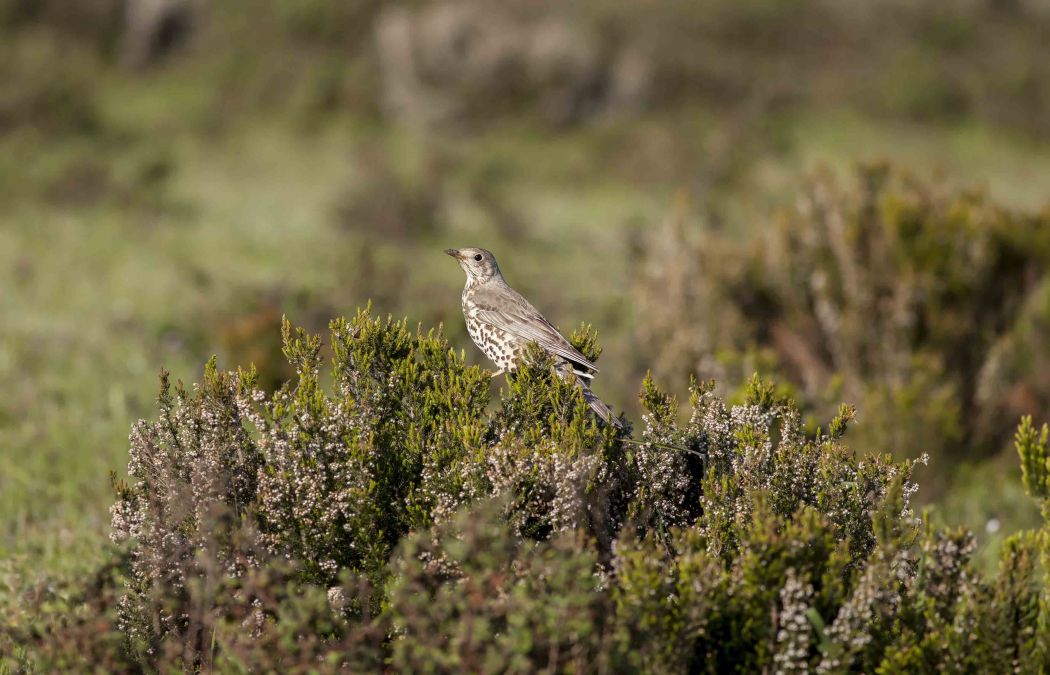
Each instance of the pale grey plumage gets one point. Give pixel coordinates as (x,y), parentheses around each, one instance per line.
(502,323)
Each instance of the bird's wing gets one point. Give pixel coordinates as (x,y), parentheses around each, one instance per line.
(517,316)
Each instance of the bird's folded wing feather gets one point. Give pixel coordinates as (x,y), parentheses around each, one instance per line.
(525,322)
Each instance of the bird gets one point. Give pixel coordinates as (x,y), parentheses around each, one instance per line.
(502,323)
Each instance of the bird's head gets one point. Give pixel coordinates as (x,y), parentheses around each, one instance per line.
(479,264)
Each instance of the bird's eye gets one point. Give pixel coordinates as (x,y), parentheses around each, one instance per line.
(477,257)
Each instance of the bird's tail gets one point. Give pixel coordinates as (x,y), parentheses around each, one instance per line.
(600,408)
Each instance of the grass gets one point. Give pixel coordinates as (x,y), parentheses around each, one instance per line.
(1014,170)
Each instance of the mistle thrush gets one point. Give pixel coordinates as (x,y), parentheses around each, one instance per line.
(502,323)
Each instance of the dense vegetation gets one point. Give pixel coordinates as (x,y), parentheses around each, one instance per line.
(396,519)
(927,308)
(176,175)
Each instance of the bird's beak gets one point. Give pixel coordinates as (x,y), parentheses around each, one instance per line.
(453,252)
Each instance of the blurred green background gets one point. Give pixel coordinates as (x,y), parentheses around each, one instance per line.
(177,174)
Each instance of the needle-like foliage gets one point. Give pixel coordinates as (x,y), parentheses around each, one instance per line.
(393,516)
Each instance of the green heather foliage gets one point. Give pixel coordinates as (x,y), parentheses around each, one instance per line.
(927,308)
(1033,448)
(394,517)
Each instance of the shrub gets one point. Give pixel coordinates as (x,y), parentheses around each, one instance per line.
(923,306)
(472,596)
(397,519)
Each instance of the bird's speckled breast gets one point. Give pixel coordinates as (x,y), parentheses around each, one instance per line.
(501,347)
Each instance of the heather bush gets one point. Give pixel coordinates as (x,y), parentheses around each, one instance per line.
(389,514)
(925,307)
(472,595)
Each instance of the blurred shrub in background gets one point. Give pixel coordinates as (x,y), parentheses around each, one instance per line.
(926,307)
(394,521)
(467,62)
